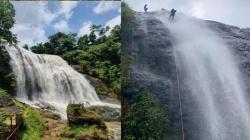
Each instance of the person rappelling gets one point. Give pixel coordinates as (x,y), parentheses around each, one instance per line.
(172,14)
(145,8)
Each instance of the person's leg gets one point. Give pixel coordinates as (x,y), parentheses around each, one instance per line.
(171,17)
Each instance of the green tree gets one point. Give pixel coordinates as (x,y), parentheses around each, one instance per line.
(39,48)
(25,46)
(7,14)
(116,34)
(62,42)
(83,42)
(146,119)
(58,44)
(49,48)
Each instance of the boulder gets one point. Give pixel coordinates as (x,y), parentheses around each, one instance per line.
(78,115)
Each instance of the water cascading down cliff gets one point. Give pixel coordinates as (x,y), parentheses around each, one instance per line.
(210,82)
(212,61)
(47,81)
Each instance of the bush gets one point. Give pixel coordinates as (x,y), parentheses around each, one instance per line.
(2,92)
(116,86)
(146,119)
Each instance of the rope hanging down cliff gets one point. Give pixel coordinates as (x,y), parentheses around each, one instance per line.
(179,97)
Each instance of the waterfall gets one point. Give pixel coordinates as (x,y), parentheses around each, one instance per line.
(210,82)
(47,80)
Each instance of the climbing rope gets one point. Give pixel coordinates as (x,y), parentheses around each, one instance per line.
(179,94)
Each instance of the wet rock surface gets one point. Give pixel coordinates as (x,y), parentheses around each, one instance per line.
(153,66)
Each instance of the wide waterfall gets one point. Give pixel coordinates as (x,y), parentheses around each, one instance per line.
(211,83)
(48,81)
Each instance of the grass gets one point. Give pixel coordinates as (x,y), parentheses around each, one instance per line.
(33,127)
(86,130)
(2,92)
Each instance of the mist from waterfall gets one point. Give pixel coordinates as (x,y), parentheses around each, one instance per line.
(48,81)
(209,71)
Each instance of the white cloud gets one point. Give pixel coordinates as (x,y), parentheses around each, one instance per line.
(31,13)
(226,11)
(62,26)
(32,19)
(29,35)
(85,28)
(105,6)
(113,22)
(66,8)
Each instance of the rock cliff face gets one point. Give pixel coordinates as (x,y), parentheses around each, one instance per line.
(153,65)
(238,39)
(7,78)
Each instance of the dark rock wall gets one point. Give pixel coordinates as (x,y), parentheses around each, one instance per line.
(7,78)
(153,65)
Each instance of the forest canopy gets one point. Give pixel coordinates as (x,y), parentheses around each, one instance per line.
(97,54)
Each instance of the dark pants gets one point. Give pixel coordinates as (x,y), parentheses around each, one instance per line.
(171,17)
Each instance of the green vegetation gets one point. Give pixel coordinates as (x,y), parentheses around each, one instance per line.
(84,123)
(2,92)
(146,119)
(78,115)
(7,14)
(97,56)
(32,127)
(86,131)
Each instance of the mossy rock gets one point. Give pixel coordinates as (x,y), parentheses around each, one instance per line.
(78,115)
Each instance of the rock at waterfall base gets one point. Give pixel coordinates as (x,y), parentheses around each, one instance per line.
(78,115)
(109,114)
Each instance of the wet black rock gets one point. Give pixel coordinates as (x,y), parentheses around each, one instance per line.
(153,65)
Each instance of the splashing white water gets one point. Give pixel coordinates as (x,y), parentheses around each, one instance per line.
(212,77)
(47,80)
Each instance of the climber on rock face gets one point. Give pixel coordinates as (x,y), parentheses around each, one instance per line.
(145,8)
(172,14)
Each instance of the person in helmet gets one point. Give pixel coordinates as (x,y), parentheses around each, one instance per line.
(172,14)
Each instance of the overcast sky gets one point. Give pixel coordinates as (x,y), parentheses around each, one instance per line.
(232,12)
(35,21)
